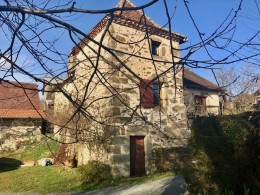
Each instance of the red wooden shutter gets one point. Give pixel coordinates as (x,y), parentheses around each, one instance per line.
(146,94)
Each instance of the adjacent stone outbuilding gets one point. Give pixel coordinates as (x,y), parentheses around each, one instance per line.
(21,115)
(202,97)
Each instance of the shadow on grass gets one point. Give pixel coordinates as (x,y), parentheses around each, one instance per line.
(9,164)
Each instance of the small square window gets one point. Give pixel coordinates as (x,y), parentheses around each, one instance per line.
(155,47)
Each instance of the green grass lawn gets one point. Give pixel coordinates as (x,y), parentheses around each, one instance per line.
(33,151)
(39,179)
(59,179)
(51,178)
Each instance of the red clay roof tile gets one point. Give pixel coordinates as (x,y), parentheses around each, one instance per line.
(20,100)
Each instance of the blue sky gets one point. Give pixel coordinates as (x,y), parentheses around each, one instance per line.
(208,15)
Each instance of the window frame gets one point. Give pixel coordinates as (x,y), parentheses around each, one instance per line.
(156,94)
(149,94)
(155,47)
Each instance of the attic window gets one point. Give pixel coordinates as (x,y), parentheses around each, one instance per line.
(155,47)
(72,73)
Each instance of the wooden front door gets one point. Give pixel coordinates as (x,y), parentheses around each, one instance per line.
(137,156)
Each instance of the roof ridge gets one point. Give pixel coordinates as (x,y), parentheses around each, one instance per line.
(19,83)
(201,78)
(126,3)
(121,3)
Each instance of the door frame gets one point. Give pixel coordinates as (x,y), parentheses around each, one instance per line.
(133,162)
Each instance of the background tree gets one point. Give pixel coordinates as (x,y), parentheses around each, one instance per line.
(240,86)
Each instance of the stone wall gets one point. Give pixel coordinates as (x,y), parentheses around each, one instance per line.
(172,131)
(119,157)
(16,132)
(170,158)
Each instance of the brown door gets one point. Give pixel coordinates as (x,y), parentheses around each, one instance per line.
(137,161)
(200,105)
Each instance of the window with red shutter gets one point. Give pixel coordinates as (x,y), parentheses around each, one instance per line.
(149,94)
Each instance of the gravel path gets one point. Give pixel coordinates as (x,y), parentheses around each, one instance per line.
(166,186)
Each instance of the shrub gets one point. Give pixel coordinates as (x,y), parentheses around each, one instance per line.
(95,172)
(222,155)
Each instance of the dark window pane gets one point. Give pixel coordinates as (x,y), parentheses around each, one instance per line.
(156,94)
(155,47)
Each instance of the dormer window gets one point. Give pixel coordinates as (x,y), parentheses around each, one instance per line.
(155,47)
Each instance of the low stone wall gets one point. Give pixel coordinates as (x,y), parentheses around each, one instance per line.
(166,159)
(16,132)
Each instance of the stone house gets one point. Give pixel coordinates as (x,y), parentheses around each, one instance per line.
(21,115)
(133,101)
(201,96)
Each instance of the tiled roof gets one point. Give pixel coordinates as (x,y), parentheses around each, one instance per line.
(20,100)
(192,80)
(130,18)
(134,15)
(137,19)
(17,113)
(92,34)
